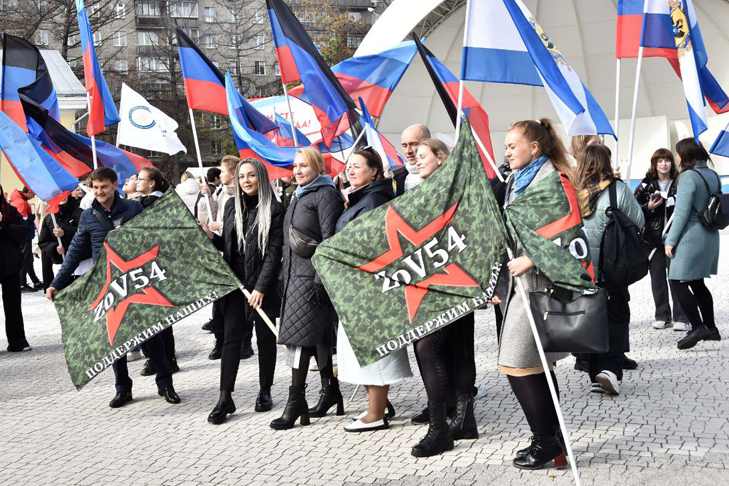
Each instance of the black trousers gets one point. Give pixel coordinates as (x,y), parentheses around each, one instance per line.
(26,269)
(446,361)
(235,309)
(695,297)
(47,269)
(14,327)
(660,286)
(154,349)
(219,327)
(618,311)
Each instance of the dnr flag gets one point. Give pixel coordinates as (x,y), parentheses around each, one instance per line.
(153,271)
(412,266)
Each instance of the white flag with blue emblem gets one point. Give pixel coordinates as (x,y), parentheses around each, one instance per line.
(144,126)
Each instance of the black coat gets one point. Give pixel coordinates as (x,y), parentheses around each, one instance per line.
(254,271)
(369,197)
(307,315)
(94,224)
(67,218)
(655,219)
(12,236)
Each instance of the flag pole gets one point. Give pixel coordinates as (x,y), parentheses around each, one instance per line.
(616,123)
(459,115)
(55,226)
(263,315)
(93,137)
(199,161)
(291,113)
(631,141)
(488,155)
(548,375)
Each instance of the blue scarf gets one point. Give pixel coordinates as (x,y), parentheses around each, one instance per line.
(322,180)
(523,177)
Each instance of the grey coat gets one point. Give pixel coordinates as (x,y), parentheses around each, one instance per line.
(516,343)
(594,225)
(696,249)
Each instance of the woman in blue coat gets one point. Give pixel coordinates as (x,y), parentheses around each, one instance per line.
(692,248)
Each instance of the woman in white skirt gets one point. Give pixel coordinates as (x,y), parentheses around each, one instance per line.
(369,189)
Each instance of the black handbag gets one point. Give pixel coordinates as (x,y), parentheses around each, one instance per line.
(302,244)
(571,322)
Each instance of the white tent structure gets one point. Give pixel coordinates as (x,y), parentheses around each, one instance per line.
(584,31)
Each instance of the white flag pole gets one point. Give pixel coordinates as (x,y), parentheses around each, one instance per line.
(631,141)
(488,155)
(547,373)
(93,137)
(55,225)
(291,113)
(199,162)
(616,123)
(459,104)
(263,315)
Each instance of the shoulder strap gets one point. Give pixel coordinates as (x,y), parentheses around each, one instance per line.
(612,191)
(706,184)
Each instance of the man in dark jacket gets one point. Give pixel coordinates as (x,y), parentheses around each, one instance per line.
(56,233)
(19,199)
(109,211)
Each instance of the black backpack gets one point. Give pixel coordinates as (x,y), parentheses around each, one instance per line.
(715,216)
(623,258)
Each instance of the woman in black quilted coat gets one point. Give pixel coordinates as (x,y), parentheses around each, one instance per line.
(308,319)
(251,245)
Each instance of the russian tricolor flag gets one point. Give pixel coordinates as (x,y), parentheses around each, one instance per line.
(502,46)
(300,61)
(251,143)
(629,29)
(102,110)
(447,86)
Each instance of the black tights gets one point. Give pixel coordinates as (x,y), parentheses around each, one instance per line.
(323,360)
(694,296)
(532,391)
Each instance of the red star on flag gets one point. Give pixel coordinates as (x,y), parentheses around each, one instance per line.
(451,275)
(146,295)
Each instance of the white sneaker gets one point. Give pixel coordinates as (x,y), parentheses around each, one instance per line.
(681,326)
(359,426)
(609,382)
(661,324)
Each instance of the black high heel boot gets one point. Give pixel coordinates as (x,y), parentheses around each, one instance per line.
(329,395)
(544,451)
(463,424)
(389,411)
(437,440)
(223,408)
(296,407)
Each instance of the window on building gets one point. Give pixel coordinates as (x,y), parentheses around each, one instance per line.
(234,42)
(258,17)
(193,34)
(120,39)
(97,39)
(72,40)
(151,64)
(41,37)
(93,9)
(277,69)
(147,38)
(148,8)
(121,66)
(353,41)
(259,68)
(8,4)
(209,41)
(210,15)
(216,147)
(186,9)
(260,41)
(120,10)
(215,121)
(234,69)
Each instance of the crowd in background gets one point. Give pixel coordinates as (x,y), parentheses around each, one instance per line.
(267,232)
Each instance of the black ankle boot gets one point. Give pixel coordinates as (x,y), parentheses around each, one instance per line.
(543,451)
(463,424)
(263,401)
(296,407)
(437,440)
(224,407)
(329,395)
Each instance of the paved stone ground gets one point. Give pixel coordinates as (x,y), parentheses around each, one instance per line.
(669,425)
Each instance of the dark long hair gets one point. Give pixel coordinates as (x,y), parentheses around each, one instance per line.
(373,161)
(690,153)
(661,153)
(160,183)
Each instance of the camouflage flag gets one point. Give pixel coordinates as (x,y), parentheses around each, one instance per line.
(412,266)
(153,271)
(546,220)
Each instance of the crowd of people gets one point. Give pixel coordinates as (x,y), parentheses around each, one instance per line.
(267,232)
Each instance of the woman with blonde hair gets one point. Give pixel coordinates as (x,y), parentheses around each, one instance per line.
(308,318)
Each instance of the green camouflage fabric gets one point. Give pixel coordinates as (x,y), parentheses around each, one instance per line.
(546,221)
(419,262)
(153,271)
